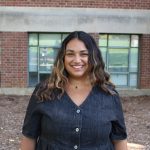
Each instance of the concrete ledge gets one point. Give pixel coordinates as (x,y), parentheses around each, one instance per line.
(16,91)
(56,19)
(133,92)
(28,91)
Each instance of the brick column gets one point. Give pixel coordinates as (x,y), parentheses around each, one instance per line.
(145,62)
(0,55)
(95,36)
(14,59)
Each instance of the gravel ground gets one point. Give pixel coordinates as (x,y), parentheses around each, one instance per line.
(136,110)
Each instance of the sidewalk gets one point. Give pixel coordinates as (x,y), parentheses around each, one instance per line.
(133,146)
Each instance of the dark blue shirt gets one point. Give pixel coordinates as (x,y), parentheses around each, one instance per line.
(62,125)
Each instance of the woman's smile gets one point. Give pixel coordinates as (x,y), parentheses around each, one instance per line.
(77,66)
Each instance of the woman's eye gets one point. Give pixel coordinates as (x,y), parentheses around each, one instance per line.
(84,54)
(69,54)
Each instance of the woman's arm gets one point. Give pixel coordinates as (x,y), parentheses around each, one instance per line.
(120,145)
(28,143)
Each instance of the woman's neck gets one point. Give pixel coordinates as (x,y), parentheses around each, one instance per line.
(79,83)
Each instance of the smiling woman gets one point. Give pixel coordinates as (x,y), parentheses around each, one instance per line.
(76,59)
(77,107)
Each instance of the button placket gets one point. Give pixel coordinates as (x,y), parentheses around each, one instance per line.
(77,128)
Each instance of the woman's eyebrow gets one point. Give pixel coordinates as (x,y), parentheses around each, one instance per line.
(70,50)
(84,51)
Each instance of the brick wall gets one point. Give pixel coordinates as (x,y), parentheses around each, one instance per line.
(125,4)
(145,61)
(14,45)
(0,55)
(14,59)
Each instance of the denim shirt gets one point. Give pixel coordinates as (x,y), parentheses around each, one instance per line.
(62,125)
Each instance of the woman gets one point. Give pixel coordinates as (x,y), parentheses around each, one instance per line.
(77,107)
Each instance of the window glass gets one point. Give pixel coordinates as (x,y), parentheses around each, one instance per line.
(46,59)
(119,40)
(119,79)
(33,39)
(134,40)
(120,53)
(104,53)
(43,48)
(103,40)
(33,63)
(33,78)
(133,80)
(134,60)
(53,40)
(64,36)
(118,60)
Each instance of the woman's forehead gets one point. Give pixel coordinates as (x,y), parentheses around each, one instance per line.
(75,44)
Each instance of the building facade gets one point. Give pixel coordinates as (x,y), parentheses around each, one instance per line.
(31,32)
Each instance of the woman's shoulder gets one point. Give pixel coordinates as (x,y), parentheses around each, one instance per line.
(107,89)
(112,97)
(45,93)
(34,96)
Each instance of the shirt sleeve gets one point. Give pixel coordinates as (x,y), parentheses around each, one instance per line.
(118,125)
(31,125)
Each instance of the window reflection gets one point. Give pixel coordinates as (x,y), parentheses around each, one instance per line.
(134,60)
(119,79)
(103,39)
(118,60)
(134,41)
(120,53)
(119,40)
(53,40)
(33,39)
(46,59)
(43,49)
(33,65)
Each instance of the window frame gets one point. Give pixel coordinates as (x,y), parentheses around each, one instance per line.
(62,35)
(128,72)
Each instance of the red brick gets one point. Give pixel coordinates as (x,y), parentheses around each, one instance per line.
(128,4)
(145,61)
(13,60)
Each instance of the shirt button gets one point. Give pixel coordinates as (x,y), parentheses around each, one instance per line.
(75,147)
(77,129)
(78,111)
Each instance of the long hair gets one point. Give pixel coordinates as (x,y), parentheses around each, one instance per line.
(54,85)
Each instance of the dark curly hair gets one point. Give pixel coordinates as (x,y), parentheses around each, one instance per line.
(54,85)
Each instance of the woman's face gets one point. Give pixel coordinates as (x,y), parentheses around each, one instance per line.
(76,59)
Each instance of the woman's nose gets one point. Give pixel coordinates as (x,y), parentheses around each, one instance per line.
(77,58)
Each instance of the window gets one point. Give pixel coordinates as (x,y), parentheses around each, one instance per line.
(120,53)
(43,48)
